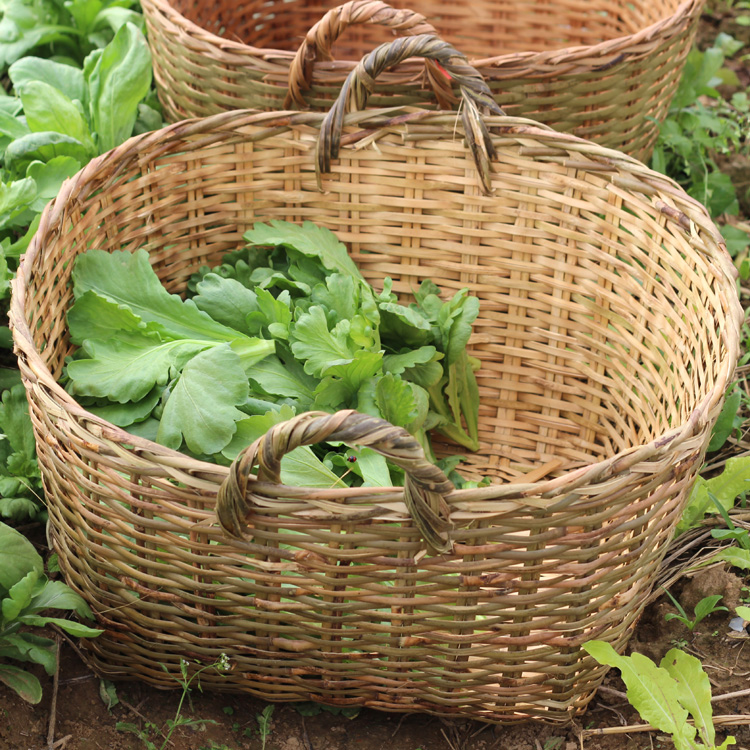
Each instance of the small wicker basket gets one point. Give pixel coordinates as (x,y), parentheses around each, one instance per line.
(604,70)
(608,332)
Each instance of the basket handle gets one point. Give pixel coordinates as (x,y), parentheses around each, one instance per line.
(358,86)
(320,38)
(424,487)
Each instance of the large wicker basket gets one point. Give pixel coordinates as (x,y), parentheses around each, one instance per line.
(605,70)
(608,331)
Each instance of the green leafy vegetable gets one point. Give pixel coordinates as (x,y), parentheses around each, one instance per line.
(282,326)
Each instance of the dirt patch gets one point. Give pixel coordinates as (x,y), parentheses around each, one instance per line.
(83,717)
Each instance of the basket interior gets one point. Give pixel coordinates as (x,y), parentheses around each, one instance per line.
(482,28)
(599,324)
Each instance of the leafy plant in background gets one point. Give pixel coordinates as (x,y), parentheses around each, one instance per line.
(25,592)
(66,31)
(666,695)
(58,119)
(20,480)
(696,132)
(86,89)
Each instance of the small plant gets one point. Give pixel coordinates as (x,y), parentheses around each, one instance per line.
(264,724)
(25,592)
(702,609)
(664,696)
(145,734)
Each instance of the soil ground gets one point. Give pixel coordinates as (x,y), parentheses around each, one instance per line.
(84,722)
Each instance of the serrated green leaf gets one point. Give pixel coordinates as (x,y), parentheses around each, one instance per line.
(310,240)
(126,367)
(276,379)
(202,406)
(319,348)
(398,363)
(396,401)
(342,381)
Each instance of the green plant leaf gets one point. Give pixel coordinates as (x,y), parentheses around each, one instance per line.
(126,367)
(15,197)
(77,629)
(18,558)
(124,415)
(31,648)
(693,690)
(202,406)
(49,178)
(651,690)
(128,279)
(23,682)
(19,596)
(67,79)
(118,77)
(396,400)
(276,379)
(310,240)
(227,301)
(737,558)
(15,422)
(57,595)
(48,110)
(319,348)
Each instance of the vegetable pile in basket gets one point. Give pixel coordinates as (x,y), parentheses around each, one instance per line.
(284,325)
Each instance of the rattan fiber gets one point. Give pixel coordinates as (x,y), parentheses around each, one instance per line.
(608,331)
(600,69)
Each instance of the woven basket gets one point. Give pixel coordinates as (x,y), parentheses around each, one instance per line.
(608,331)
(601,69)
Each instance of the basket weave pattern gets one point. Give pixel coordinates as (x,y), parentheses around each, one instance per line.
(608,331)
(600,69)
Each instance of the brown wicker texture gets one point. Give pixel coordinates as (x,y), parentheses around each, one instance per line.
(608,331)
(604,70)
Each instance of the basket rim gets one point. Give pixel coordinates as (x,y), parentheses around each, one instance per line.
(224,126)
(617,46)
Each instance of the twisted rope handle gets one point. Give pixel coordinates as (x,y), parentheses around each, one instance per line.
(320,38)
(475,94)
(424,487)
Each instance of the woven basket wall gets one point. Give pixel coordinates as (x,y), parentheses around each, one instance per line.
(600,69)
(608,331)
